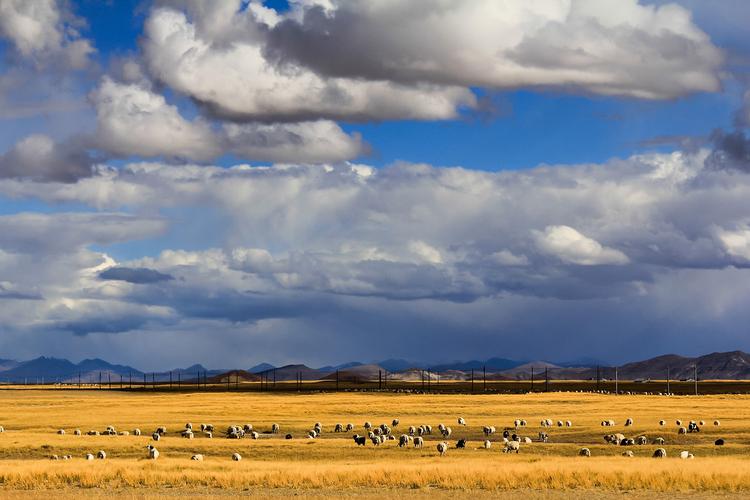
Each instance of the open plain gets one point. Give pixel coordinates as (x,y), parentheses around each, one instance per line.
(332,465)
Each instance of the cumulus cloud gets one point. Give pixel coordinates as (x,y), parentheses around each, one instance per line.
(39,158)
(571,246)
(231,77)
(45,33)
(610,47)
(133,120)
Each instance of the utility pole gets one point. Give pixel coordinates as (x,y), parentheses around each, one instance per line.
(484,378)
(380,379)
(170,379)
(472,381)
(79,379)
(668,381)
(695,377)
(100,380)
(109,380)
(153,380)
(546,380)
(597,378)
(616,382)
(337,380)
(532,379)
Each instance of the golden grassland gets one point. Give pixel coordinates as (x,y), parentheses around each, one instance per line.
(333,465)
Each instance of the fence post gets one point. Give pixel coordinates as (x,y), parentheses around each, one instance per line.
(337,380)
(546,380)
(617,381)
(532,379)
(667,380)
(109,380)
(380,379)
(695,377)
(79,379)
(472,380)
(484,378)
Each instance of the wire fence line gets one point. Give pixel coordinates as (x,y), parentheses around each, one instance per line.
(485,380)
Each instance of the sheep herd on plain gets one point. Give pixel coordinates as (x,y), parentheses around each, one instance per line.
(414,436)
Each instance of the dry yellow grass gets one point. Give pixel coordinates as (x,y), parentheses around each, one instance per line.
(334,465)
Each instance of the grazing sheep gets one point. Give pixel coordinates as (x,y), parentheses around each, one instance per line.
(512,446)
(428,429)
(209,428)
(506,433)
(349,427)
(641,440)
(77,432)
(312,434)
(161,430)
(702,423)
(662,423)
(247,427)
(189,426)
(338,428)
(61,432)
(208,434)
(394,422)
(412,430)
(367,426)
(659,440)
(447,432)
(360,440)
(197,458)
(2,429)
(660,453)
(523,423)
(375,440)
(136,432)
(188,434)
(418,442)
(89,456)
(288,436)
(628,422)
(441,427)
(678,422)
(155,436)
(488,429)
(487,444)
(101,455)
(543,437)
(693,427)
(627,453)
(153,453)
(442,448)
(236,457)
(568,423)
(461,443)
(93,433)
(719,442)
(682,430)
(560,423)
(254,435)
(527,440)
(124,433)
(403,440)
(517,423)
(685,455)
(584,452)
(461,421)
(67,457)
(717,423)
(54,457)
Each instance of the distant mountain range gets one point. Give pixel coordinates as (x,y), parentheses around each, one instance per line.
(733,365)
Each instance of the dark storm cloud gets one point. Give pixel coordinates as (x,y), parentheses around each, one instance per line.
(731,151)
(138,276)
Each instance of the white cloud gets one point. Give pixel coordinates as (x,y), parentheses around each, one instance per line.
(132,120)
(44,33)
(610,47)
(737,243)
(234,80)
(571,246)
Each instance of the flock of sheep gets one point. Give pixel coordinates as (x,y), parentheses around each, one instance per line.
(414,436)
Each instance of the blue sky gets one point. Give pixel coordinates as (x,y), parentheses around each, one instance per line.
(598,158)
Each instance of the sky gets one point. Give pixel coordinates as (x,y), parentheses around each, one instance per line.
(321,181)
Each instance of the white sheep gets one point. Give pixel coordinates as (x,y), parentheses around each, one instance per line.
(517,423)
(461,421)
(124,433)
(54,457)
(136,432)
(660,453)
(188,434)
(349,427)
(682,430)
(2,429)
(717,423)
(568,423)
(442,448)
(156,436)
(447,432)
(275,428)
(101,455)
(686,455)
(678,422)
(403,440)
(418,442)
(198,457)
(412,430)
(61,432)
(627,453)
(189,426)
(559,423)
(208,434)
(77,432)
(367,426)
(254,435)
(487,444)
(153,453)
(89,456)
(584,452)
(628,422)
(662,423)
(394,422)
(527,440)
(236,457)
(512,446)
